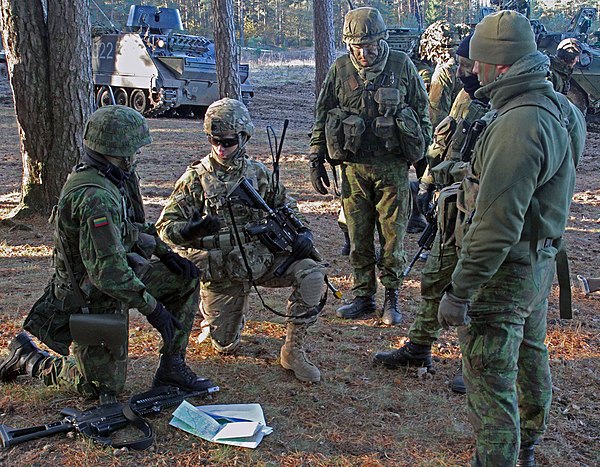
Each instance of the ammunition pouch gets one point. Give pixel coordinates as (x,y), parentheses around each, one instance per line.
(465,205)
(448,172)
(334,136)
(354,128)
(447,214)
(385,129)
(412,142)
(101,329)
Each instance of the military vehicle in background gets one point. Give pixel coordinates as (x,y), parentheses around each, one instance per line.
(155,68)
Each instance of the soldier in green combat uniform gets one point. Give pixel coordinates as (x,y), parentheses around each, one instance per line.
(199,219)
(513,209)
(446,167)
(355,126)
(103,243)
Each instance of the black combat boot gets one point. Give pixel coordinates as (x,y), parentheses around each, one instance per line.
(417,221)
(24,358)
(526,456)
(345,250)
(409,354)
(173,371)
(359,307)
(458,382)
(391,310)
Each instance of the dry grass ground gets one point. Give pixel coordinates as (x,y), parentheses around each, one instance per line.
(358,414)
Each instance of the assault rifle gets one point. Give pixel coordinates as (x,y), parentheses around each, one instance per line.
(99,422)
(426,239)
(278,230)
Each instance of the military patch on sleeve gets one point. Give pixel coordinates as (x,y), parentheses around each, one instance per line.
(100,221)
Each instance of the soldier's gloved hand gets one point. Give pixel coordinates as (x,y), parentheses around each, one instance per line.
(303,245)
(453,310)
(164,322)
(425,197)
(199,226)
(179,265)
(318,173)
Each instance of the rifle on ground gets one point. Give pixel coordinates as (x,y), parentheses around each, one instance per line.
(426,239)
(98,423)
(277,230)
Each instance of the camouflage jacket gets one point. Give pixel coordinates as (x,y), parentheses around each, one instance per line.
(443,90)
(204,187)
(344,89)
(560,75)
(99,225)
(525,159)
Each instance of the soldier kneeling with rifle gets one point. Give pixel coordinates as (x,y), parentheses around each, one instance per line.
(237,223)
(106,260)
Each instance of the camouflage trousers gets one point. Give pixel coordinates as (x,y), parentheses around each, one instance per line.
(374,193)
(224,303)
(435,277)
(94,369)
(505,360)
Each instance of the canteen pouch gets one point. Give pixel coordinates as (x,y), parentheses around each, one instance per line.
(465,205)
(447,214)
(412,143)
(354,128)
(334,136)
(101,329)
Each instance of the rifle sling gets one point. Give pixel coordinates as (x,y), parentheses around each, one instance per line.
(141,424)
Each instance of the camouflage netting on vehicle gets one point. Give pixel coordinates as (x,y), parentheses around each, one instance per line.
(228,117)
(438,41)
(116,130)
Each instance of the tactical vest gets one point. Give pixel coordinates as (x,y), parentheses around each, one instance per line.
(354,89)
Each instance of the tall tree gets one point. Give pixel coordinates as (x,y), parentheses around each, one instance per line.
(48,56)
(226,50)
(324,40)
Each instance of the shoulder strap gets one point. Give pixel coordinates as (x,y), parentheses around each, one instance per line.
(537,100)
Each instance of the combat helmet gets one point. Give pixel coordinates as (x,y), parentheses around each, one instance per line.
(438,41)
(228,117)
(569,49)
(116,130)
(364,25)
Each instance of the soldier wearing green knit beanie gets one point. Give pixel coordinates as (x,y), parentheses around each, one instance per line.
(513,209)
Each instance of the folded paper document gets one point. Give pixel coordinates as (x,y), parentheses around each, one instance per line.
(236,424)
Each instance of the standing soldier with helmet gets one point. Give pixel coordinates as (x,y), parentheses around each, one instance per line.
(372,118)
(562,64)
(103,266)
(198,216)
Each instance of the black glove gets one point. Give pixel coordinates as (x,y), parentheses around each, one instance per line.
(318,173)
(303,245)
(199,226)
(179,265)
(164,322)
(425,198)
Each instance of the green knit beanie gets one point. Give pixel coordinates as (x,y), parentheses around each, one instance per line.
(502,38)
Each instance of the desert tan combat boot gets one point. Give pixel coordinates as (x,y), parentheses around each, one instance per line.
(293,356)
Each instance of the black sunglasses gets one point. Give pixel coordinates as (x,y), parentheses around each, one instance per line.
(226,143)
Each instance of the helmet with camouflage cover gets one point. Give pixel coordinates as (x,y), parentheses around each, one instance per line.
(438,41)
(364,25)
(569,49)
(228,117)
(117,131)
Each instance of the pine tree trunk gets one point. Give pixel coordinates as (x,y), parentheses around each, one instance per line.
(324,41)
(48,58)
(226,50)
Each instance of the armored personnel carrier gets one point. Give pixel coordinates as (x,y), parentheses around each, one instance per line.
(154,67)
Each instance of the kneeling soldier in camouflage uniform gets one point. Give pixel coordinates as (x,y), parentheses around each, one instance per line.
(103,267)
(199,217)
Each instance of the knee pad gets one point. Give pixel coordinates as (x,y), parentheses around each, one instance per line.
(310,285)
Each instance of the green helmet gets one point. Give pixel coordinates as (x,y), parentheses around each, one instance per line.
(116,130)
(364,25)
(228,117)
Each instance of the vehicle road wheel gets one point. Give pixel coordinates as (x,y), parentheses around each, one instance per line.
(121,97)
(103,97)
(138,100)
